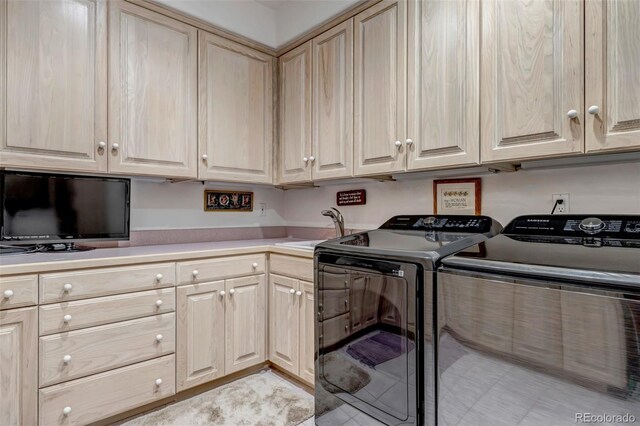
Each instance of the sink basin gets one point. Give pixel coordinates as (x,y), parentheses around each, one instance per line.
(305,245)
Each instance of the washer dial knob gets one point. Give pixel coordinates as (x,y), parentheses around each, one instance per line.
(592,225)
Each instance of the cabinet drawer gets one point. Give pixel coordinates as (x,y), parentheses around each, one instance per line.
(74,285)
(220,268)
(297,267)
(69,316)
(97,349)
(21,290)
(106,394)
(334,330)
(333,302)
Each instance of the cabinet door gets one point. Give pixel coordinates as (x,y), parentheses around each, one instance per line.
(246,322)
(152,93)
(443,87)
(200,334)
(295,115)
(380,45)
(333,103)
(19,366)
(284,323)
(53,85)
(531,77)
(307,332)
(235,134)
(612,63)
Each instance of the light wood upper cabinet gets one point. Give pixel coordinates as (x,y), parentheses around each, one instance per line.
(236,111)
(284,325)
(532,79)
(53,85)
(307,332)
(295,115)
(332,135)
(19,366)
(443,120)
(152,93)
(200,331)
(246,322)
(612,76)
(380,46)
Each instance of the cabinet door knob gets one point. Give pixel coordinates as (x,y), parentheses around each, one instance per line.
(255,265)
(594,109)
(67,287)
(305,160)
(66,359)
(572,113)
(158,382)
(409,141)
(159,337)
(204,157)
(291,291)
(7,294)
(102,145)
(231,291)
(298,293)
(222,293)
(398,144)
(115,146)
(312,158)
(158,303)
(67,318)
(195,273)
(159,277)
(66,411)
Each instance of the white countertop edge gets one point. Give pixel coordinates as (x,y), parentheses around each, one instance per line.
(99,258)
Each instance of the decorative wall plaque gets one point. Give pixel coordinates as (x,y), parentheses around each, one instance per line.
(354,197)
(228,201)
(457,196)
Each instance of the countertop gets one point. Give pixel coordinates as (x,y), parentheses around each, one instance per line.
(48,262)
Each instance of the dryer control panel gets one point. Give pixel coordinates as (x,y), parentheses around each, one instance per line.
(443,223)
(601,226)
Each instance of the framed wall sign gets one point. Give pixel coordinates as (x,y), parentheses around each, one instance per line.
(354,197)
(457,196)
(228,201)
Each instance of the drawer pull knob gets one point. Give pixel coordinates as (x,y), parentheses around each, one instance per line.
(67,287)
(158,382)
(8,294)
(291,291)
(195,273)
(222,293)
(594,110)
(159,337)
(255,265)
(66,359)
(67,318)
(159,277)
(231,291)
(298,293)
(158,303)
(66,411)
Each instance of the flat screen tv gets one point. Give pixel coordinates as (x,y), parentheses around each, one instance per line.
(39,208)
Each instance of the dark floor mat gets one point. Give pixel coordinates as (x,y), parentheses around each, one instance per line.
(379,348)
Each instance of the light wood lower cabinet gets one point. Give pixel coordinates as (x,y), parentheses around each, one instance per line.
(18,366)
(18,291)
(292,326)
(221,329)
(93,398)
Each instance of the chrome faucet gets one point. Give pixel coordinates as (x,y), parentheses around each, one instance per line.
(338,220)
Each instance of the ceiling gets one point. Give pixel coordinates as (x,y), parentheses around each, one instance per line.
(273,23)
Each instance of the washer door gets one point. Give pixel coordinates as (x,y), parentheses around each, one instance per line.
(367,338)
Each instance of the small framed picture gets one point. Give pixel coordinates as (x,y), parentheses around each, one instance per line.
(457,196)
(228,201)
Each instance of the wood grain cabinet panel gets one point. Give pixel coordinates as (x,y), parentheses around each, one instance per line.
(19,366)
(235,112)
(246,322)
(532,79)
(18,291)
(201,334)
(380,47)
(307,332)
(443,114)
(332,134)
(612,76)
(284,325)
(294,150)
(152,93)
(53,85)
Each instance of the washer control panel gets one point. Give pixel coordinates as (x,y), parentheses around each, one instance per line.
(601,226)
(442,223)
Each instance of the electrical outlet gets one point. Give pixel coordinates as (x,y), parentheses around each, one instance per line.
(263,209)
(560,208)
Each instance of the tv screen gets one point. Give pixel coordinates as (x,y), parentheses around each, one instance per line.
(45,208)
